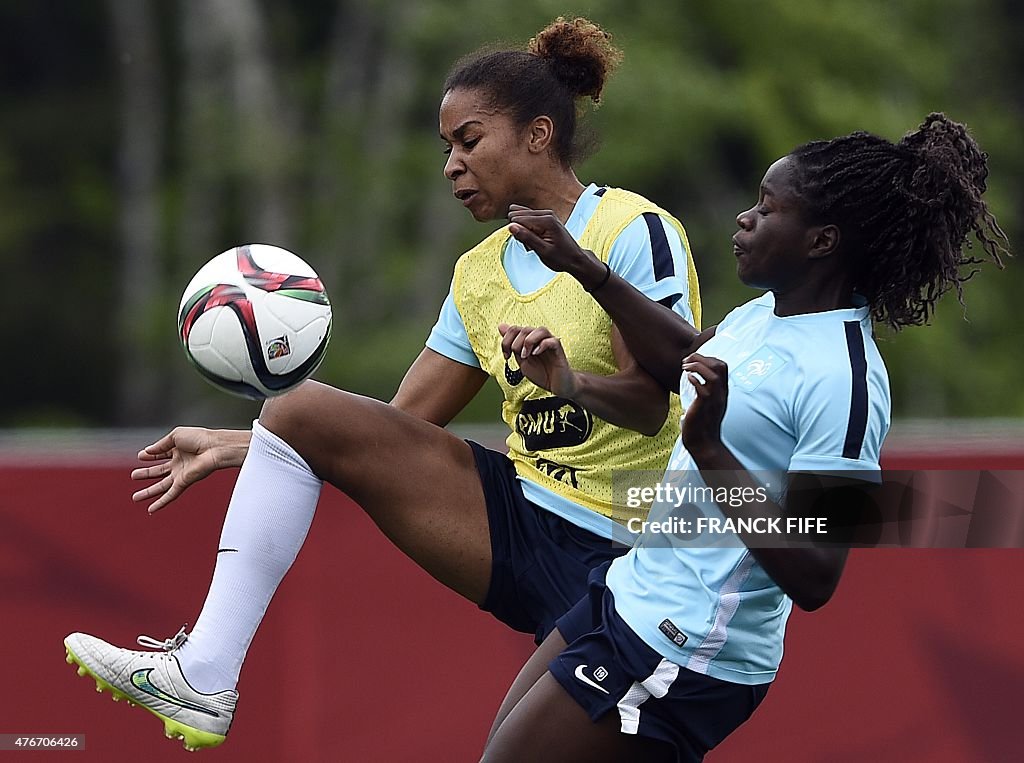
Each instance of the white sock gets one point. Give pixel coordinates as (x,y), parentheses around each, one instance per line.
(269,514)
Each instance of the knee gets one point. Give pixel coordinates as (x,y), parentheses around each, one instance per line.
(316,421)
(287,416)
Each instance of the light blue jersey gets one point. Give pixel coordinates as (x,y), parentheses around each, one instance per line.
(806,393)
(648,253)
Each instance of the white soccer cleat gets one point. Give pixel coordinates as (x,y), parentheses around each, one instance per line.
(154,680)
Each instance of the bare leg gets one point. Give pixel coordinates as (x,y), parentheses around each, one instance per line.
(531,672)
(548,725)
(416,481)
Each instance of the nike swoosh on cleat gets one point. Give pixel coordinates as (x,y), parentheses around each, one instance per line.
(579,674)
(140,680)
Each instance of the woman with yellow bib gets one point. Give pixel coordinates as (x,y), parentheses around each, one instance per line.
(517,534)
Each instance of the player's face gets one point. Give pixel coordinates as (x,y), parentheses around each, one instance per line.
(486,154)
(772,243)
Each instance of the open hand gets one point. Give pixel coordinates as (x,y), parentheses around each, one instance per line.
(184,456)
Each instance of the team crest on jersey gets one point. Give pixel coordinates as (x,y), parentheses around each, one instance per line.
(553,422)
(755,368)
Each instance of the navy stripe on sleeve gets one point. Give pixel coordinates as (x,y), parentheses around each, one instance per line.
(663,266)
(600,191)
(858,423)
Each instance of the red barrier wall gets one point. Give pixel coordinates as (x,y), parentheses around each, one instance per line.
(365,658)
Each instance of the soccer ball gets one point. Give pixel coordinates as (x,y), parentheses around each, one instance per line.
(255,321)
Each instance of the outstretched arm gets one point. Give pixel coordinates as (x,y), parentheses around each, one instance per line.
(184,456)
(629,398)
(656,336)
(435,389)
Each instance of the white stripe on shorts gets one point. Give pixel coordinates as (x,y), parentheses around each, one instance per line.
(656,685)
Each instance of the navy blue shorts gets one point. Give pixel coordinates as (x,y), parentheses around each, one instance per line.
(541,562)
(606,668)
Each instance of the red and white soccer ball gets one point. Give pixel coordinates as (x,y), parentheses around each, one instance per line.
(255,321)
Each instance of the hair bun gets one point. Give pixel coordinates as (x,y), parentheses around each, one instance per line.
(580,54)
(945,160)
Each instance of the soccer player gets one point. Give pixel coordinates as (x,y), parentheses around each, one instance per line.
(515,534)
(676,643)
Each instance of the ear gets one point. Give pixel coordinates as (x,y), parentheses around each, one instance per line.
(824,241)
(539,134)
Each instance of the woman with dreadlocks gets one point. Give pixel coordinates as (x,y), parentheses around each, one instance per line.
(677,642)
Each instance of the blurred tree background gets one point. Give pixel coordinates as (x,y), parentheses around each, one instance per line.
(139,138)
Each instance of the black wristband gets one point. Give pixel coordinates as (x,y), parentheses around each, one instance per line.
(607,275)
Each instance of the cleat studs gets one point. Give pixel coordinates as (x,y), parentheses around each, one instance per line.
(69,659)
(99,688)
(81,670)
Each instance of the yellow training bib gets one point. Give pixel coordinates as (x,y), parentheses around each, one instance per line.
(554,442)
